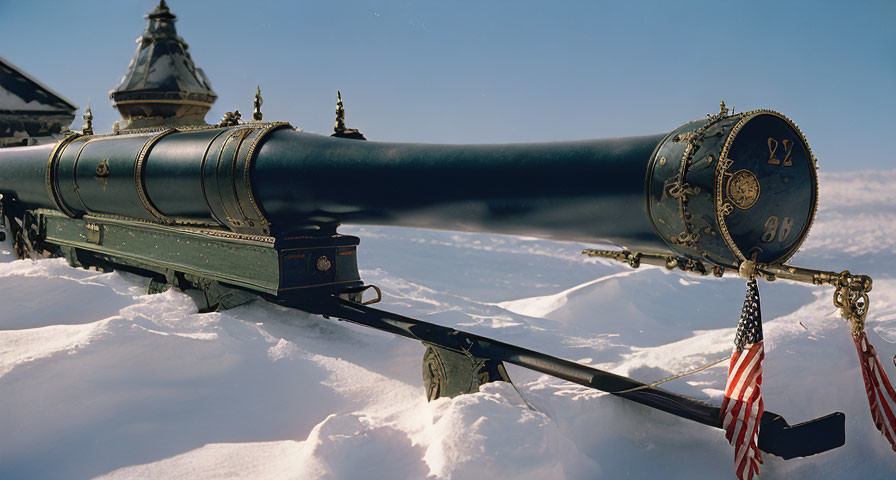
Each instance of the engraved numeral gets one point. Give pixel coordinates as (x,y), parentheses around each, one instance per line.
(786,227)
(771,227)
(773,147)
(788,147)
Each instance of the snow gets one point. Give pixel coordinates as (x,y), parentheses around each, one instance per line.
(98,380)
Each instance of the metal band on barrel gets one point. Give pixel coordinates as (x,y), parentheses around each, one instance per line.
(139,180)
(233,211)
(250,159)
(202,174)
(51,177)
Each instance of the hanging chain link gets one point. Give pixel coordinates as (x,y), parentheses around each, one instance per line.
(851,297)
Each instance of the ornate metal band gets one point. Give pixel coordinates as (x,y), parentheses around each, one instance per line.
(202,174)
(250,160)
(140,180)
(226,177)
(51,177)
(669,189)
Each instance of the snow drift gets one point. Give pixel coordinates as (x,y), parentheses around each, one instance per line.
(99,380)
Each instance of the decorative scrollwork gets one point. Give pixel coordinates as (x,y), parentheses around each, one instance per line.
(679,190)
(688,239)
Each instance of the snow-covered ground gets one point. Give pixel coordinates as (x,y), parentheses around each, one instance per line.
(99,380)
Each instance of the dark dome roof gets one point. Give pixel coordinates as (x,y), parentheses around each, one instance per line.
(162,84)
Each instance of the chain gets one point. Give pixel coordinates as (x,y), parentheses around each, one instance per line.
(636,259)
(851,297)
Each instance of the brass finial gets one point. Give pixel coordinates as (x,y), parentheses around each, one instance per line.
(162,12)
(88,121)
(723,111)
(339,129)
(256,115)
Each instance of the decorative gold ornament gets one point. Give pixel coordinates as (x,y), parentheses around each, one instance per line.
(102,169)
(743,189)
(102,172)
(257,115)
(87,129)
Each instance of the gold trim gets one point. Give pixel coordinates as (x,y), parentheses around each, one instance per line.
(202,166)
(175,102)
(77,159)
(51,177)
(250,159)
(651,166)
(236,197)
(140,171)
(236,135)
(689,238)
(721,172)
(207,229)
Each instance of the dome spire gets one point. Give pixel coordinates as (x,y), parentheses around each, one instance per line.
(161,11)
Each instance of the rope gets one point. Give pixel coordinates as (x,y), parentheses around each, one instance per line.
(673,377)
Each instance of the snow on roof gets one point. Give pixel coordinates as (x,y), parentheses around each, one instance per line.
(49,92)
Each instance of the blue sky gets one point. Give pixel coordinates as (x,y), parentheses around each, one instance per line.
(490,71)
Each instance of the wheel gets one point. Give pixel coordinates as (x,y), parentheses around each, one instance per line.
(447,373)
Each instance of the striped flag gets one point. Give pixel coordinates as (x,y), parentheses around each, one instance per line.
(881,397)
(742,408)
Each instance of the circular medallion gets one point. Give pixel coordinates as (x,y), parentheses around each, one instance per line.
(743,189)
(323,264)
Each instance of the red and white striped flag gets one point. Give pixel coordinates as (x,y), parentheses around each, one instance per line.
(742,408)
(881,397)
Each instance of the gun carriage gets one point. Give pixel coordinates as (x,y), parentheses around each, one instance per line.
(240,209)
(253,208)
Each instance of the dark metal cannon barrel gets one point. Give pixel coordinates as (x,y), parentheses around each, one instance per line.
(720,189)
(584,190)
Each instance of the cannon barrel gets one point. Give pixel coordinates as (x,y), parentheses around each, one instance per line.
(722,189)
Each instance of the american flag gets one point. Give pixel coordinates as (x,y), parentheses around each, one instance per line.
(742,407)
(881,397)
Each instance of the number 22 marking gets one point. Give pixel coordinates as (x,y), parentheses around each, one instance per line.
(773,147)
